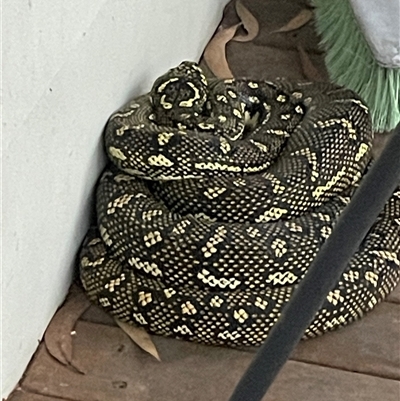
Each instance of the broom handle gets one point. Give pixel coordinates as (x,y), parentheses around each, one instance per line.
(324,272)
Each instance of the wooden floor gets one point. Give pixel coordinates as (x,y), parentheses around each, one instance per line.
(360,362)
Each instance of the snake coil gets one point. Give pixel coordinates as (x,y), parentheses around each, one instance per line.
(219,195)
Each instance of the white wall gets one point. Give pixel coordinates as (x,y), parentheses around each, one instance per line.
(67,66)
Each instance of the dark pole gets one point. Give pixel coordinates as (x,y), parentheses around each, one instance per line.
(353,225)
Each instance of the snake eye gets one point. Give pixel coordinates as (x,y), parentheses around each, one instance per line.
(171,90)
(186,92)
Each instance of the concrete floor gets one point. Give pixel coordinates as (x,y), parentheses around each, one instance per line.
(358,363)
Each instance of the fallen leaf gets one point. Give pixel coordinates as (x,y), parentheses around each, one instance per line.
(140,337)
(59,333)
(309,69)
(215,52)
(297,22)
(249,23)
(206,70)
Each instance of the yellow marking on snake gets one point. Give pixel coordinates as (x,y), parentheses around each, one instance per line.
(237,113)
(320,190)
(251,121)
(222,98)
(216,301)
(180,228)
(261,303)
(299,110)
(359,103)
(334,297)
(207,278)
(274,213)
(347,124)
(253,85)
(190,102)
(148,215)
(169,292)
(160,160)
(164,137)
(165,84)
(188,308)
(216,166)
(297,95)
(144,298)
(281,278)
(260,146)
(117,153)
(254,99)
(120,202)
(183,330)
(278,132)
(139,318)
(351,276)
(364,148)
(152,238)
(240,315)
(279,247)
(372,302)
(104,302)
(372,278)
(212,193)
(150,268)
(342,121)
(224,145)
(166,105)
(121,131)
(255,169)
(253,232)
(206,125)
(110,286)
(227,335)
(391,256)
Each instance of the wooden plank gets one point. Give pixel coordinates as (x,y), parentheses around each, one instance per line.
(367,346)
(118,370)
(48,377)
(300,381)
(21,395)
(97,315)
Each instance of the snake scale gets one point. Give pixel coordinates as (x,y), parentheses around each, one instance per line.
(219,194)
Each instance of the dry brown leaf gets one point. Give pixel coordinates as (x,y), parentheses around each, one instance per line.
(140,337)
(297,22)
(215,52)
(58,336)
(249,22)
(309,69)
(206,71)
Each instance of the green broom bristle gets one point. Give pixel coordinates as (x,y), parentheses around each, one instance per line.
(350,62)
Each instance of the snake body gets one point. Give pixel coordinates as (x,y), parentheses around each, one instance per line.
(219,195)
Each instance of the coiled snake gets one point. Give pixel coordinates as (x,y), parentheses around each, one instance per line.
(218,196)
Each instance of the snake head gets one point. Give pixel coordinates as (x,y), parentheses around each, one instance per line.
(180,95)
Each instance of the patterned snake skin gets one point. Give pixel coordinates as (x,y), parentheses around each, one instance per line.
(219,195)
